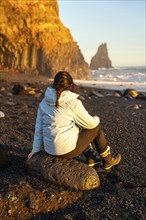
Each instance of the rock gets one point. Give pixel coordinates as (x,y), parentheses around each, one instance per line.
(17,88)
(38,44)
(38,95)
(2,114)
(26,89)
(66,172)
(10,103)
(101,58)
(134,106)
(23,106)
(9,94)
(117,93)
(131,93)
(95,93)
(3,89)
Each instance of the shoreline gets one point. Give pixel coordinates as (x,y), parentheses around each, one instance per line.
(92,84)
(112,85)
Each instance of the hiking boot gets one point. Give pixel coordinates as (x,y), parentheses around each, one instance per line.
(112,162)
(92,163)
(108,160)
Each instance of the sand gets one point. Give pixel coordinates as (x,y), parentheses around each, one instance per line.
(121,193)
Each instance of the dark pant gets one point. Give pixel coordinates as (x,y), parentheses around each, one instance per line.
(86,137)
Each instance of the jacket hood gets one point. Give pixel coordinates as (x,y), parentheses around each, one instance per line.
(66,96)
(50,96)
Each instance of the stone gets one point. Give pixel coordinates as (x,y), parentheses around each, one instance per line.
(2,114)
(131,93)
(26,89)
(117,93)
(65,172)
(101,58)
(134,106)
(95,93)
(38,42)
(10,103)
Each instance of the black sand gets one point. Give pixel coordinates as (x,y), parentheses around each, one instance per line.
(121,194)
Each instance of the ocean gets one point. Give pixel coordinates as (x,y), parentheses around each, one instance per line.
(118,78)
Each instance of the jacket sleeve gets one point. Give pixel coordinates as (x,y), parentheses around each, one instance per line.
(83,118)
(38,135)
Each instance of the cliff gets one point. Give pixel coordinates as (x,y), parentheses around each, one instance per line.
(101,58)
(33,39)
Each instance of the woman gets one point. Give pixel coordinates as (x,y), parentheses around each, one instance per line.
(66,129)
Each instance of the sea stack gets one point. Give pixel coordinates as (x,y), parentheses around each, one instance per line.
(34,40)
(101,58)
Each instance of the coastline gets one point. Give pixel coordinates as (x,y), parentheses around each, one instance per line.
(140,87)
(31,78)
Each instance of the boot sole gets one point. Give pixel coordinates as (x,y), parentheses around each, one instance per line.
(93,164)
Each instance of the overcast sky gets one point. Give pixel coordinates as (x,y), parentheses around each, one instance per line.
(119,23)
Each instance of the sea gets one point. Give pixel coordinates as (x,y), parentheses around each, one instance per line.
(120,78)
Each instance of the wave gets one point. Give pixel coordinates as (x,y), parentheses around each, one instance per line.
(141,87)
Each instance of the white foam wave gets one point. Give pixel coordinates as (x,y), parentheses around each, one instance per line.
(116,79)
(141,87)
(121,78)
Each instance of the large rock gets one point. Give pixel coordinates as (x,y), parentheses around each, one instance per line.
(101,58)
(70,173)
(33,39)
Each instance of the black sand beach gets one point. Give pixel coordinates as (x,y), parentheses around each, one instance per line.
(121,193)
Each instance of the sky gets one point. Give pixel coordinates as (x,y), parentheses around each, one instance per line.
(119,23)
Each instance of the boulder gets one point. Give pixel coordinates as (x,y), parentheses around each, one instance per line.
(61,171)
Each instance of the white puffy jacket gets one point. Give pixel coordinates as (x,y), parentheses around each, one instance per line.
(58,128)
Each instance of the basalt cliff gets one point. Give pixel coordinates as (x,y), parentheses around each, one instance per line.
(101,58)
(33,39)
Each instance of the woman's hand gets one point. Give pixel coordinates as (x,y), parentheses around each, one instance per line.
(30,155)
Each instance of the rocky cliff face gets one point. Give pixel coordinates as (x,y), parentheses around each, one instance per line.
(33,39)
(101,58)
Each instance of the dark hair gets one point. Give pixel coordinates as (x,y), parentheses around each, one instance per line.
(63,81)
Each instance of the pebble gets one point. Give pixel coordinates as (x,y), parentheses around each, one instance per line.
(2,114)
(3,89)
(9,94)
(134,106)
(23,106)
(9,103)
(38,95)
(117,94)
(82,98)
(98,94)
